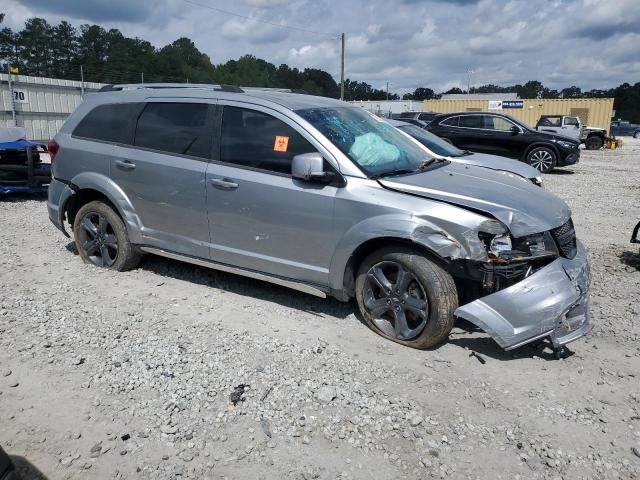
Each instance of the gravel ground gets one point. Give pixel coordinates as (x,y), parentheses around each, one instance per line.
(131,375)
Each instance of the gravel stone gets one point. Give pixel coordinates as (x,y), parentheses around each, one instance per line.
(167,343)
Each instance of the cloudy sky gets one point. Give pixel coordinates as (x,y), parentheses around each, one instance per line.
(408,43)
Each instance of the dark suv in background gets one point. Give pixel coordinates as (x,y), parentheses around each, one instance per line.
(503,135)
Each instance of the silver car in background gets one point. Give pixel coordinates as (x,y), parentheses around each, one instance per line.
(439,147)
(320,196)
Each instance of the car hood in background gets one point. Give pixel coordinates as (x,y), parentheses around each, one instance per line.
(554,137)
(523,207)
(495,162)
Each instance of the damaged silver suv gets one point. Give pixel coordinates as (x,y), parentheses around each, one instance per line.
(320,196)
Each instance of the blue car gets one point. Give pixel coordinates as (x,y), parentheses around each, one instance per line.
(621,128)
(21,167)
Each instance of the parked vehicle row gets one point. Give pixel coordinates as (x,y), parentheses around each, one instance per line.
(320,196)
(502,135)
(622,128)
(439,147)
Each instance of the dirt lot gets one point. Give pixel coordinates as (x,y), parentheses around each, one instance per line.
(129,375)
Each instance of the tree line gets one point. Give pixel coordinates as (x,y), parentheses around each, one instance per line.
(107,56)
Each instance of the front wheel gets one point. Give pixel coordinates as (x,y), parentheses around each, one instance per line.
(594,143)
(636,135)
(101,238)
(405,297)
(542,159)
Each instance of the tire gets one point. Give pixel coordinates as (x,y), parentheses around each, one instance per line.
(426,298)
(636,135)
(594,142)
(101,238)
(542,159)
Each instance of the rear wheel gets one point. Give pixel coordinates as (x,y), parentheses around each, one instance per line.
(405,297)
(636,135)
(542,159)
(101,238)
(594,142)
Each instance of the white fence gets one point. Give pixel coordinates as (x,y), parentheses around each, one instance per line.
(41,104)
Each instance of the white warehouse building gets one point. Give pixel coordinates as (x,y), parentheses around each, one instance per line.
(40,105)
(386,108)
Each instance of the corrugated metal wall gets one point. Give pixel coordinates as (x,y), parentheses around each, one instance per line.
(598,110)
(46,104)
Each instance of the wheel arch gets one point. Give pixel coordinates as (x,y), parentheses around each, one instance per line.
(92,186)
(439,239)
(540,144)
(362,251)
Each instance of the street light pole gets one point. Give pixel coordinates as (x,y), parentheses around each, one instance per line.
(342,68)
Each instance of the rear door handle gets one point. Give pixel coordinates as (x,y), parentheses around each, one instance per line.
(224,183)
(125,165)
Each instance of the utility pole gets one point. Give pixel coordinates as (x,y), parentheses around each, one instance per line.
(342,69)
(13,103)
(141,77)
(387,91)
(81,81)
(469,73)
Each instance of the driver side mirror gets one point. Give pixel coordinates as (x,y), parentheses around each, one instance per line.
(514,130)
(309,167)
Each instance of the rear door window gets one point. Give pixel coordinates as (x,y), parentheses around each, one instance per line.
(175,128)
(471,121)
(251,138)
(113,122)
(450,122)
(497,123)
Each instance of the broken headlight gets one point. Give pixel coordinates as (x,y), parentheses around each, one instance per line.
(503,247)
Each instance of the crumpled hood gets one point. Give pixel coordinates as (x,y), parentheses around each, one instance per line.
(523,207)
(494,162)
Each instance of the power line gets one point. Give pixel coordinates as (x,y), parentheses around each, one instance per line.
(290,27)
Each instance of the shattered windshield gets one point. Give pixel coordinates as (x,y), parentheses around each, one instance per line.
(377,147)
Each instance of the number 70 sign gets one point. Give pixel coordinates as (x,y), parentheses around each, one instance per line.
(20,96)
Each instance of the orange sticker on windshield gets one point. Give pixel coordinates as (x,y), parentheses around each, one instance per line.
(281,144)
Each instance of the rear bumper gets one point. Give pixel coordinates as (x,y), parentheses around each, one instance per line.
(554,302)
(58,195)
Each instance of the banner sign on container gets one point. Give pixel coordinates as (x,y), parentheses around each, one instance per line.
(513,104)
(495,104)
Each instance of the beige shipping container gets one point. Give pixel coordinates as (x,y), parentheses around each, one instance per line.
(595,112)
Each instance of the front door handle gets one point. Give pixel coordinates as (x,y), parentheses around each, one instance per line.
(125,165)
(224,183)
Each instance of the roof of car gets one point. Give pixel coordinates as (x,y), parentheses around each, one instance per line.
(287,99)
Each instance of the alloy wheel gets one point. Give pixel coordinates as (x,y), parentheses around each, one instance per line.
(98,240)
(541,160)
(396,300)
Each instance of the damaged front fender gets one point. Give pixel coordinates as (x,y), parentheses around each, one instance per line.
(553,302)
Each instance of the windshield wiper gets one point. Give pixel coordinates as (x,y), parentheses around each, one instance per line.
(430,161)
(399,171)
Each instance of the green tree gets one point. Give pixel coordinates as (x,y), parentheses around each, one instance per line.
(421,93)
(571,92)
(36,51)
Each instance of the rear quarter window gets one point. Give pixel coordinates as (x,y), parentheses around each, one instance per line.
(450,122)
(109,123)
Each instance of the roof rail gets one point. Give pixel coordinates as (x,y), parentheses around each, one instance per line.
(143,86)
(284,90)
(201,86)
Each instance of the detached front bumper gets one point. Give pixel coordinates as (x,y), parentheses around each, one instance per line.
(554,302)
